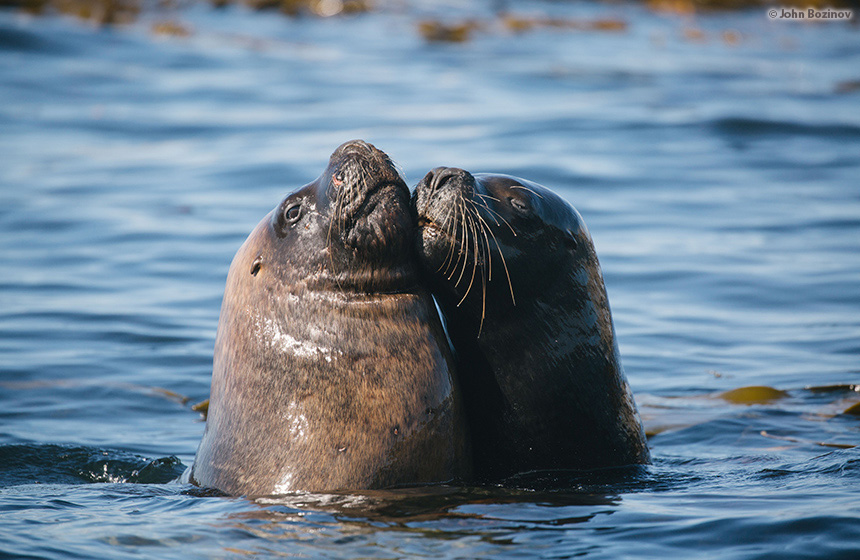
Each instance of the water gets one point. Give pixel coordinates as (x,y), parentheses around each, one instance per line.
(717,173)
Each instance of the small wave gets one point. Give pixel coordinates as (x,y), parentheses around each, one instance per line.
(65,464)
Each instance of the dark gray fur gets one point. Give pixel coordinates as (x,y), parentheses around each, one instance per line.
(514,270)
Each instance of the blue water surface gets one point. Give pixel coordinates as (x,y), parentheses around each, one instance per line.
(714,157)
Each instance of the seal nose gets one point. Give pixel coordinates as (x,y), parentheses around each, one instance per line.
(437,178)
(357,147)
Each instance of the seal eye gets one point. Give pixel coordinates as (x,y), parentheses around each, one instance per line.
(519,205)
(256,265)
(338,179)
(293,213)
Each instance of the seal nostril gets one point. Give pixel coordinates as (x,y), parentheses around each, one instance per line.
(428,179)
(256,265)
(441,175)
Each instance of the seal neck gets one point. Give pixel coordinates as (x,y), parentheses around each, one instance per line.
(368,279)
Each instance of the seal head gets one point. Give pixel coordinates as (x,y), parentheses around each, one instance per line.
(514,270)
(349,227)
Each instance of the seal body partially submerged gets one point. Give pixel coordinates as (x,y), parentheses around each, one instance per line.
(515,273)
(331,367)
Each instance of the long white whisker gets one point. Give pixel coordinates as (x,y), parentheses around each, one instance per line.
(527,189)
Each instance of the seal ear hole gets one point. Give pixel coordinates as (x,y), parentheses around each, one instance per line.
(256,266)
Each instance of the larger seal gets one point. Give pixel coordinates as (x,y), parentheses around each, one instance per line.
(515,273)
(331,367)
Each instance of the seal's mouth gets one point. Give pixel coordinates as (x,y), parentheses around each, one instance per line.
(427,226)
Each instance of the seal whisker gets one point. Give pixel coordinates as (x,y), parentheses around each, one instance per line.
(504,264)
(486,257)
(485,227)
(489,254)
(446,224)
(537,194)
(495,214)
(464,247)
(459,237)
(474,237)
(488,197)
(450,224)
(485,205)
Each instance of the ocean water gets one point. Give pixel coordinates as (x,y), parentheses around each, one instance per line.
(714,158)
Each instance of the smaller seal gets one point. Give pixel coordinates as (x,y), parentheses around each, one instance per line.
(515,274)
(331,368)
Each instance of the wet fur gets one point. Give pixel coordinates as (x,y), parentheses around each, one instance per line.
(331,369)
(516,276)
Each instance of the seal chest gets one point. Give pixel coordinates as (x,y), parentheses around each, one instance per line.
(515,273)
(331,368)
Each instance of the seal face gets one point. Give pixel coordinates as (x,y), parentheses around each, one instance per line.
(331,367)
(515,274)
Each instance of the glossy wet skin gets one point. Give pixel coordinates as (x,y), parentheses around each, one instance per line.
(515,273)
(493,236)
(331,368)
(349,228)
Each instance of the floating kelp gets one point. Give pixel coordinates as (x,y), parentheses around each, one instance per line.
(435,30)
(202,407)
(853,410)
(519,23)
(170,29)
(100,12)
(440,32)
(756,394)
(295,8)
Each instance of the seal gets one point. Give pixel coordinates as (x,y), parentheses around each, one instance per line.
(518,282)
(331,367)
